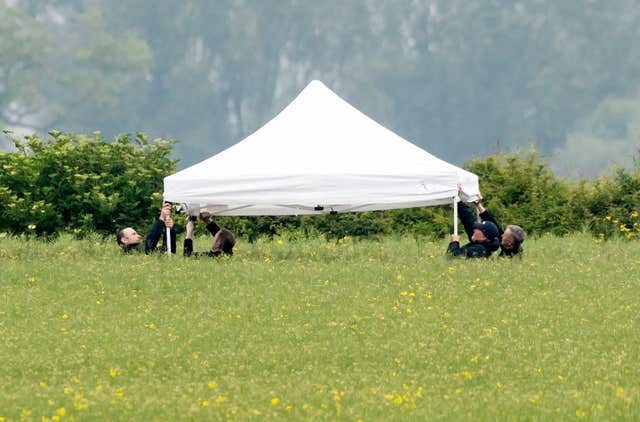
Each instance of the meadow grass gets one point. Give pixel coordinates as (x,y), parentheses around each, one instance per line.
(384,329)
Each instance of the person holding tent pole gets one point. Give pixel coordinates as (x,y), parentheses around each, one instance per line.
(510,239)
(223,239)
(483,236)
(129,240)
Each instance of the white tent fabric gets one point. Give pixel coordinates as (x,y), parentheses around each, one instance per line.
(319,155)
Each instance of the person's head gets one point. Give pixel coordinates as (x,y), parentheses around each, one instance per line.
(223,242)
(127,236)
(512,238)
(484,231)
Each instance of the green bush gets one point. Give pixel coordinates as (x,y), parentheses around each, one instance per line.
(80,183)
(86,184)
(520,189)
(614,204)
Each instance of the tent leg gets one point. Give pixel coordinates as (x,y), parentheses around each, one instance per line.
(168,241)
(455,214)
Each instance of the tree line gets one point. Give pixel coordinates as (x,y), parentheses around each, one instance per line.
(87,184)
(475,76)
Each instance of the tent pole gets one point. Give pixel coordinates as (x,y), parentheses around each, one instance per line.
(455,214)
(168,241)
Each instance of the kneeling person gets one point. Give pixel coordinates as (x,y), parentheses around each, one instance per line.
(223,239)
(483,236)
(511,239)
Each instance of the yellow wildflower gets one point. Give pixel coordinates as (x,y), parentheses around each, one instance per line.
(399,399)
(275,401)
(80,402)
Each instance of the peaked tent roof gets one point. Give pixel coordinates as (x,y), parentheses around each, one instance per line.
(319,155)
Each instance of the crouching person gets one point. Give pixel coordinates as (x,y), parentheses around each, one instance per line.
(511,238)
(130,241)
(483,236)
(223,240)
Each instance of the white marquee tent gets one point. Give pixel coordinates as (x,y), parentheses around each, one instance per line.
(319,155)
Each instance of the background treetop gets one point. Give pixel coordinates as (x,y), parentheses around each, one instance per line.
(460,78)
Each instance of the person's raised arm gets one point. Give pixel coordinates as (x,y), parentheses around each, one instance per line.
(479,204)
(168,223)
(467,217)
(486,215)
(187,249)
(151,241)
(211,226)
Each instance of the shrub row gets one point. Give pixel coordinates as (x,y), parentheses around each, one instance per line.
(81,184)
(84,184)
(517,188)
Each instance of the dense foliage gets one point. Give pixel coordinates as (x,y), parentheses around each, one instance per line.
(78,183)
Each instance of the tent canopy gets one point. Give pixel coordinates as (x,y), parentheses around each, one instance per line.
(319,155)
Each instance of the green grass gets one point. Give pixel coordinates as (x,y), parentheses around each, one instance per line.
(304,329)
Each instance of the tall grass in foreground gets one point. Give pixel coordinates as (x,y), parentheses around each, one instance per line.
(369,330)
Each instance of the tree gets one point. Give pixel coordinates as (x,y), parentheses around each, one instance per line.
(22,46)
(60,65)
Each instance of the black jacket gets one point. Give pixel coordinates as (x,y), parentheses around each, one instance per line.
(471,249)
(151,241)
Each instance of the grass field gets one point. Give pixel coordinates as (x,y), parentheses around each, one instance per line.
(367,330)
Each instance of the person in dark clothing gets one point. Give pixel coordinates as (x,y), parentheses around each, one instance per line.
(510,239)
(129,239)
(223,240)
(483,236)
